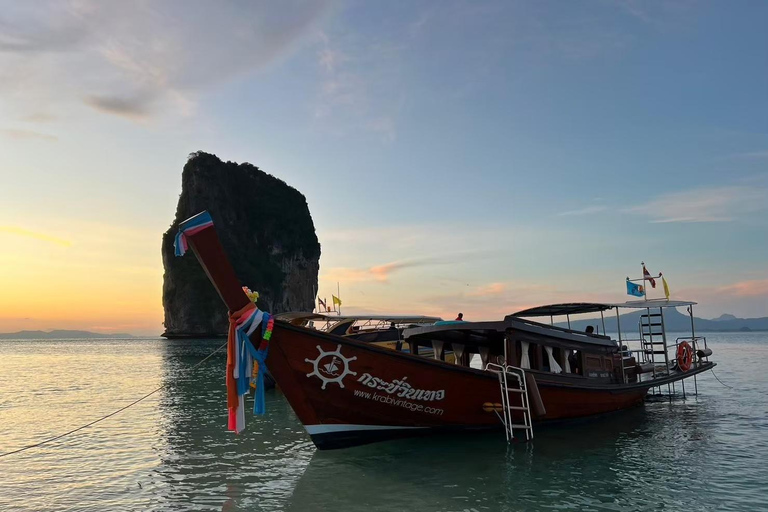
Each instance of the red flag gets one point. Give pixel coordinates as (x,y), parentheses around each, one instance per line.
(325,308)
(647,275)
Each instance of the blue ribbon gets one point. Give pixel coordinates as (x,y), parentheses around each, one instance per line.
(244,379)
(178,247)
(197,220)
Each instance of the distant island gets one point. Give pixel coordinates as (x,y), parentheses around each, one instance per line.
(59,334)
(676,321)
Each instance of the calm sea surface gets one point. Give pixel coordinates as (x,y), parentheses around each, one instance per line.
(172,451)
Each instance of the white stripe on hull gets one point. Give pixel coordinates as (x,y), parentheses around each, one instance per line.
(326,429)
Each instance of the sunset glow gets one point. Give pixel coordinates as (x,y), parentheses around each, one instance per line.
(480,158)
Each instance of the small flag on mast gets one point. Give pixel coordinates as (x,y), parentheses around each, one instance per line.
(666,286)
(336,300)
(320,301)
(634,289)
(647,275)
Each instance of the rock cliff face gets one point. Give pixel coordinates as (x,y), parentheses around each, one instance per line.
(266,229)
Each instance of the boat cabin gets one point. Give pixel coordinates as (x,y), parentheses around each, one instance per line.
(641,350)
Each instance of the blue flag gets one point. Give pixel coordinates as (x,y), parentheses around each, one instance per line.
(634,289)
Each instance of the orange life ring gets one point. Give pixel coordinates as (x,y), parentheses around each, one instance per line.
(684,356)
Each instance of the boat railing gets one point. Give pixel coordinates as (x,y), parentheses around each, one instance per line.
(639,348)
(696,343)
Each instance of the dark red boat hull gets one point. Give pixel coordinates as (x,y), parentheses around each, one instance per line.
(341,404)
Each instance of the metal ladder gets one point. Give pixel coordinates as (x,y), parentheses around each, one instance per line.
(652,324)
(504,373)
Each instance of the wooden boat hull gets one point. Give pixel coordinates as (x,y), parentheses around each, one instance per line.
(348,393)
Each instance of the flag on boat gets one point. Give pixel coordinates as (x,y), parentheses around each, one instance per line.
(336,300)
(634,289)
(666,286)
(647,275)
(322,304)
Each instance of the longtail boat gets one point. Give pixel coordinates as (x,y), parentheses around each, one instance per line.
(348,392)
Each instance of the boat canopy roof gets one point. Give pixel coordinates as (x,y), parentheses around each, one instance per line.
(398,319)
(578,308)
(476,334)
(572,308)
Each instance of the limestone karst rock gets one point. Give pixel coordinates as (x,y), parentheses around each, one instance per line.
(266,229)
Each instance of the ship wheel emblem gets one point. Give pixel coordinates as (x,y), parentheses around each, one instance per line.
(331,366)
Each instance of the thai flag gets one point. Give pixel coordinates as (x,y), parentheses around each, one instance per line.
(647,275)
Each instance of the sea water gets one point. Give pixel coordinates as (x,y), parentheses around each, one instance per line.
(172,451)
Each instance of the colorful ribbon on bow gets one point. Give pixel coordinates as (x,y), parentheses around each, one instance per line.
(190,227)
(240,357)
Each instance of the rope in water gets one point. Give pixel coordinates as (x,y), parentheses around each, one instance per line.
(721,382)
(65,434)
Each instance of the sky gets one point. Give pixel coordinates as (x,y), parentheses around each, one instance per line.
(480,157)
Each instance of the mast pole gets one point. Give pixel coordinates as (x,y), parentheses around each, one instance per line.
(622,352)
(338,294)
(693,340)
(602,318)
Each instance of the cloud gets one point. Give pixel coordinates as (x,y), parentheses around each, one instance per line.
(385,126)
(588,210)
(346,275)
(379,273)
(341,85)
(31,32)
(136,108)
(39,117)
(715,204)
(14,230)
(330,59)
(752,155)
(27,134)
(495,300)
(749,288)
(140,59)
(359,83)
(490,290)
(382,272)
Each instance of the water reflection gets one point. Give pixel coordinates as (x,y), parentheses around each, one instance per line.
(473,471)
(205,466)
(633,460)
(664,453)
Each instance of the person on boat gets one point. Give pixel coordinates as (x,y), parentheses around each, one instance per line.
(573,361)
(460,318)
(590,330)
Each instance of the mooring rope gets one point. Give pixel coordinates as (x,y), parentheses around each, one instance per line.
(65,434)
(721,382)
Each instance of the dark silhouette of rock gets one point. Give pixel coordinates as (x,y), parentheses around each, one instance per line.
(266,229)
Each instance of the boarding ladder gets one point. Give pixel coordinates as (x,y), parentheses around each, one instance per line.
(654,340)
(516,377)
